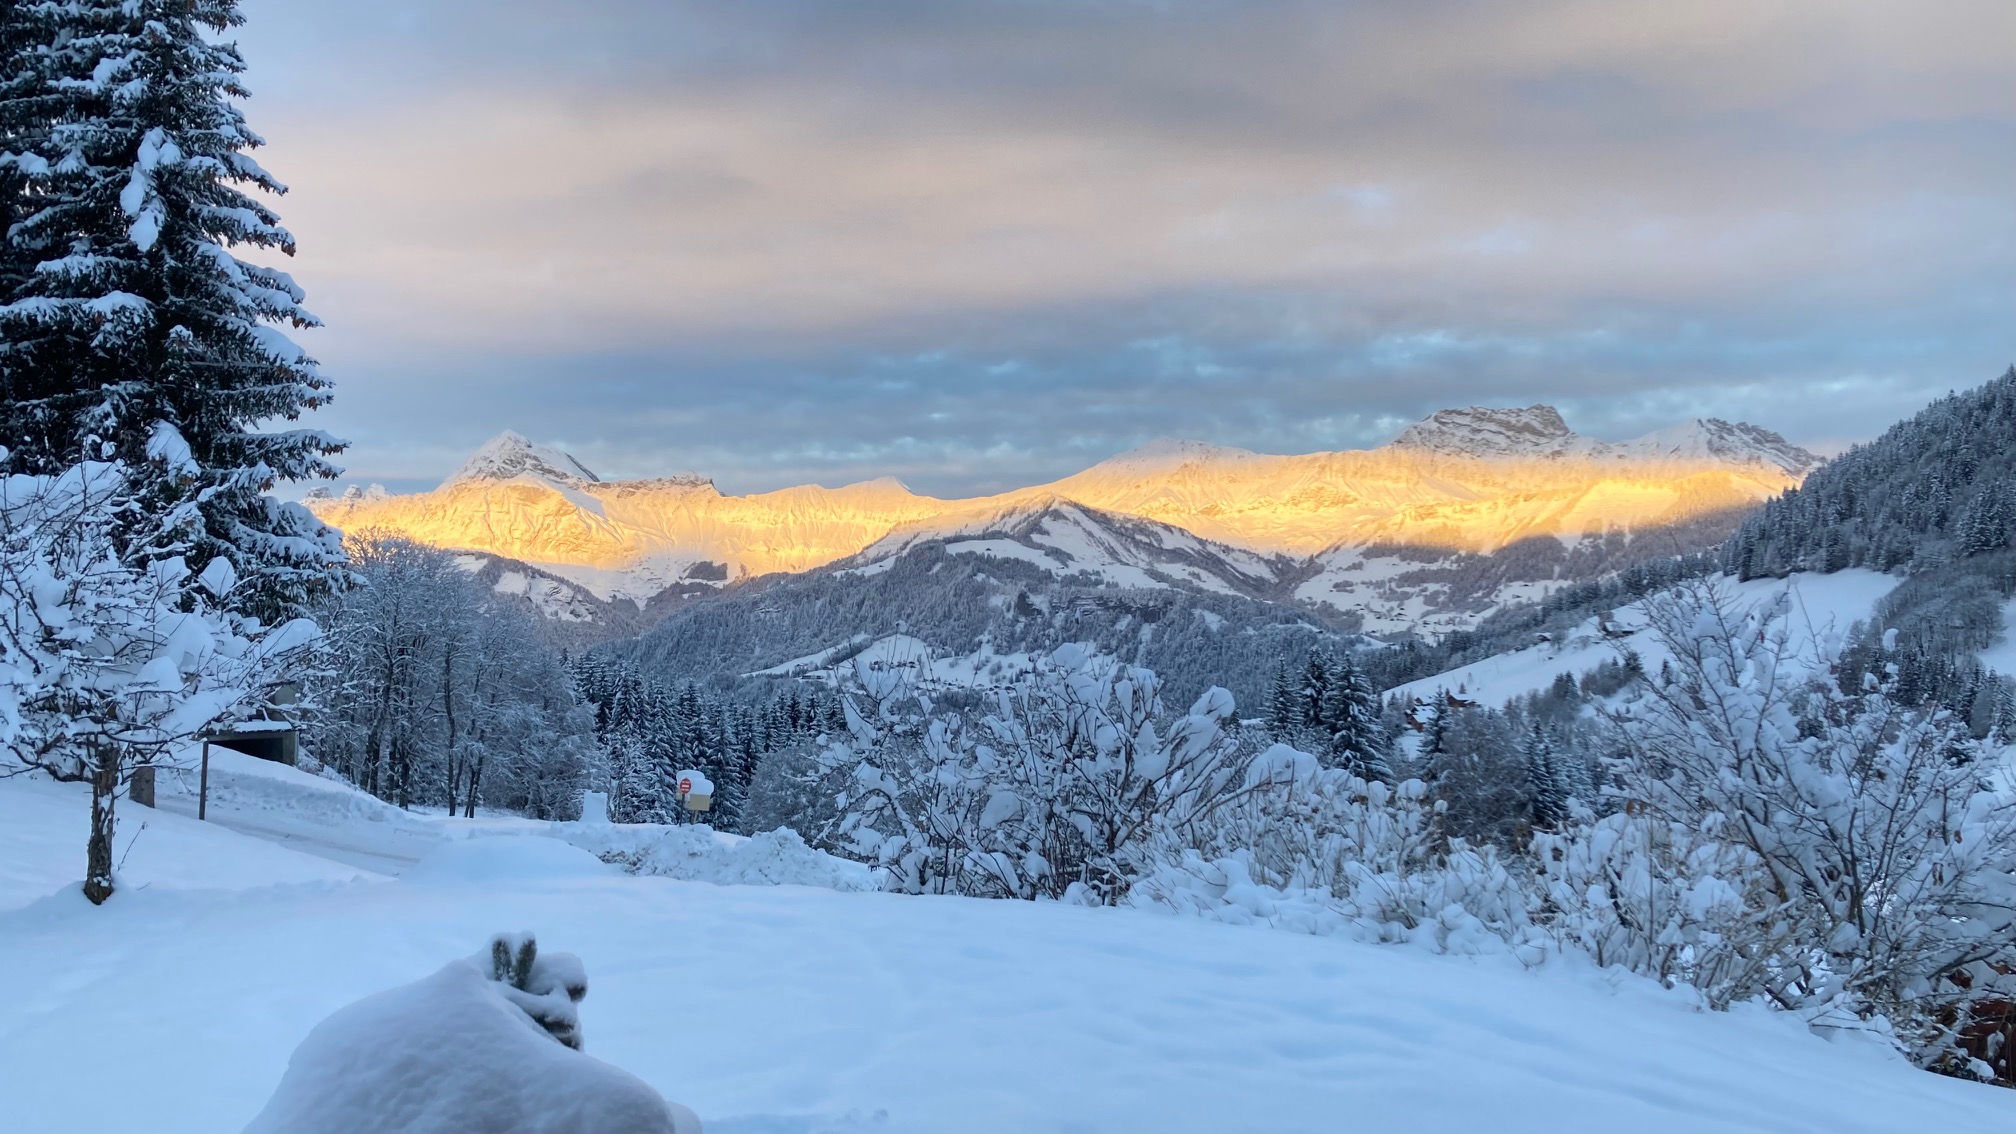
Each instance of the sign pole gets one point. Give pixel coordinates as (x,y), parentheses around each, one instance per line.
(203,791)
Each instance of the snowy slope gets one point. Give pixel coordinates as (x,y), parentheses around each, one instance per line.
(1462,480)
(913,660)
(1821,607)
(2001,656)
(1068,539)
(43,826)
(319,816)
(785,1010)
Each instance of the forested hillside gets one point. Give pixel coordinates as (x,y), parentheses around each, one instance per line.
(1935,488)
(960,603)
(1933,498)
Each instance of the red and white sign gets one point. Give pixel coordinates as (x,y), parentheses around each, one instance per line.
(685,787)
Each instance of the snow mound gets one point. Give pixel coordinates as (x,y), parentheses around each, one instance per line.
(453,1054)
(774,858)
(505,858)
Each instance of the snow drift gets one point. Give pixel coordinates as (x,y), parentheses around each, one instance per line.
(702,854)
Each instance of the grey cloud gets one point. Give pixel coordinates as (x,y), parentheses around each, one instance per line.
(977,244)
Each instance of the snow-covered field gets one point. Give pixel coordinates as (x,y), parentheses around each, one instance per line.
(1820,607)
(794,1010)
(2001,656)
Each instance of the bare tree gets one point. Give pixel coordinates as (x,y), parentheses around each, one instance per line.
(1876,855)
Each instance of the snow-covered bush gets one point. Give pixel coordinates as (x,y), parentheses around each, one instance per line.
(1660,898)
(1822,847)
(1051,790)
(484,1045)
(112,651)
(1320,850)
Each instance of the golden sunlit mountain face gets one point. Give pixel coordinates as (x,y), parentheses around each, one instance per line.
(656,533)
(1304,505)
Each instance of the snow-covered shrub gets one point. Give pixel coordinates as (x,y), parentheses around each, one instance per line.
(1320,850)
(113,652)
(484,1045)
(1659,898)
(1823,847)
(1051,790)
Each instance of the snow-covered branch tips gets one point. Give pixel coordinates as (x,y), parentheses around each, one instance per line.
(113,653)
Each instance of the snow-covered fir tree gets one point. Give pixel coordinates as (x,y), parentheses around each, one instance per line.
(1356,740)
(137,333)
(1547,783)
(1327,706)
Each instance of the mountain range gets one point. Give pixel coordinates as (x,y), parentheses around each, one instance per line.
(1372,533)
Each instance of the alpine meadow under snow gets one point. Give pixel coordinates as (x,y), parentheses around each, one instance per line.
(1495,779)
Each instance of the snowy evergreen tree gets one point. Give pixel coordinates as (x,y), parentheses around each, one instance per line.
(138,334)
(1284,707)
(1431,758)
(1547,782)
(1312,693)
(1356,736)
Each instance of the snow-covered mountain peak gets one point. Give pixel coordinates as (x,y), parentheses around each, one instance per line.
(1484,431)
(876,487)
(1729,442)
(1540,431)
(510,455)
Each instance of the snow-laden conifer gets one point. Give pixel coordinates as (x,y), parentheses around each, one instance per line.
(132,182)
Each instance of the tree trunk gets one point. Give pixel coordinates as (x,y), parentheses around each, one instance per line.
(98,853)
(448,710)
(475,781)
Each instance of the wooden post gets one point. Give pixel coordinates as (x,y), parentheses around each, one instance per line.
(203,789)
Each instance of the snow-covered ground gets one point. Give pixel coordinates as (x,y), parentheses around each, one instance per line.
(913,660)
(794,1010)
(319,816)
(1821,607)
(2001,656)
(43,827)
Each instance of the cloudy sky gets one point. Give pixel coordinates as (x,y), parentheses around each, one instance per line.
(983,243)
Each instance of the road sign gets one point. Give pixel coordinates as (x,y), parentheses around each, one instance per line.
(685,787)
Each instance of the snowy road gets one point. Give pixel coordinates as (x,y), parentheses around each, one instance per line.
(386,856)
